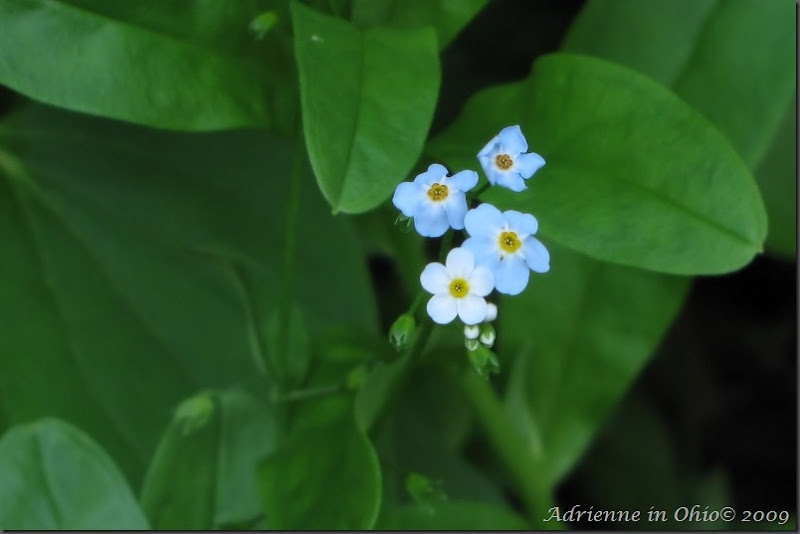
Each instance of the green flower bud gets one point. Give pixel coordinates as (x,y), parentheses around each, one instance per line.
(471,344)
(484,361)
(488,335)
(402,332)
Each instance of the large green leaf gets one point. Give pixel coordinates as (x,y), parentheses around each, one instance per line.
(633,174)
(368,99)
(139,264)
(583,331)
(325,476)
(54,477)
(164,63)
(203,475)
(733,60)
(448,17)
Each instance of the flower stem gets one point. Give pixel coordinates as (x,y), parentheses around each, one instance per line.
(510,447)
(289,250)
(477,193)
(304,394)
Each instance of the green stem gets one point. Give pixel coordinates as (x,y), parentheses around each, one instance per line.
(477,193)
(511,448)
(305,394)
(290,245)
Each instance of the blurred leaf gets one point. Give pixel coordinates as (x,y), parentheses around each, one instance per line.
(203,474)
(54,477)
(179,488)
(777,177)
(138,264)
(368,100)
(163,63)
(448,17)
(586,330)
(633,175)
(733,60)
(453,515)
(324,476)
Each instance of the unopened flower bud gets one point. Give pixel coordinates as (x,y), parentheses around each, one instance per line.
(491,312)
(484,361)
(472,331)
(488,335)
(402,332)
(471,344)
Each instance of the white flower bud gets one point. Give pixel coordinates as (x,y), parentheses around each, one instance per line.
(472,331)
(491,312)
(488,335)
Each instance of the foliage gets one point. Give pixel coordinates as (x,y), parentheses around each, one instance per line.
(190,197)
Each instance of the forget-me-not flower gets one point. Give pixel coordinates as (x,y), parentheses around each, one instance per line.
(504,243)
(435,201)
(504,162)
(458,288)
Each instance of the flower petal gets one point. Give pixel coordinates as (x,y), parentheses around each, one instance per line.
(510,180)
(536,255)
(442,308)
(522,223)
(485,220)
(456,208)
(490,147)
(481,282)
(527,164)
(471,309)
(434,174)
(460,263)
(511,276)
(513,141)
(464,180)
(430,220)
(407,197)
(434,278)
(484,249)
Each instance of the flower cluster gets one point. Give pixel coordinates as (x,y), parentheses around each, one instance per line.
(500,249)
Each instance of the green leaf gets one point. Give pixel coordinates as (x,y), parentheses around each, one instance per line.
(163,63)
(203,474)
(169,245)
(54,477)
(178,491)
(448,17)
(325,476)
(733,60)
(368,99)
(633,175)
(777,178)
(584,331)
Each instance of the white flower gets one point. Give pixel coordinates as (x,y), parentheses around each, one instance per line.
(458,288)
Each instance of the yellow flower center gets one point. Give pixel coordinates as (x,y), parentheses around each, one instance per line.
(503,161)
(438,192)
(509,241)
(459,288)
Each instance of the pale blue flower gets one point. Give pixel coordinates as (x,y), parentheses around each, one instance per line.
(458,288)
(435,201)
(504,243)
(504,162)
